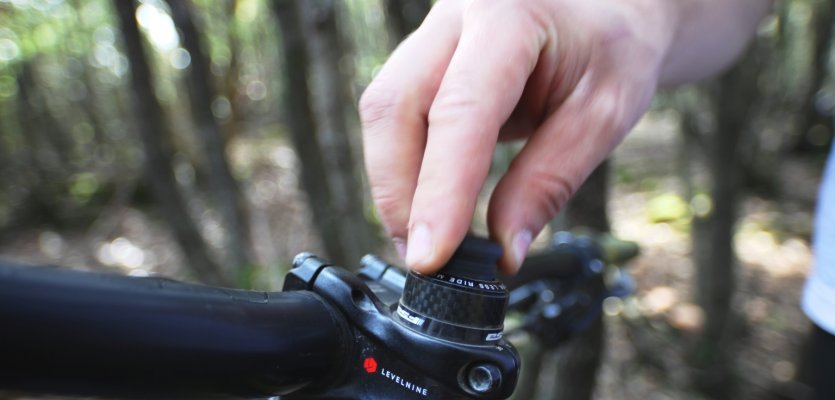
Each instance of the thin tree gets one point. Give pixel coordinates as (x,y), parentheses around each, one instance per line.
(47,151)
(36,111)
(811,117)
(730,100)
(302,123)
(7,160)
(320,136)
(91,100)
(330,77)
(158,154)
(578,360)
(224,187)
(404,16)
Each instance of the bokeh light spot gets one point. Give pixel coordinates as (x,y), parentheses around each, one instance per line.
(256,90)
(9,50)
(158,25)
(221,108)
(180,58)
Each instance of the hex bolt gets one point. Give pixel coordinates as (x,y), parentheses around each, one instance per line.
(300,258)
(483,378)
(370,260)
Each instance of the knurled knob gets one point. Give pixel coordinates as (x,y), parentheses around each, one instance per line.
(463,302)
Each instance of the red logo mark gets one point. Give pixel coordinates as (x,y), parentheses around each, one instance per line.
(370,365)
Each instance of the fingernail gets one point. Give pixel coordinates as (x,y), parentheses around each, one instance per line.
(419,246)
(521,242)
(400,246)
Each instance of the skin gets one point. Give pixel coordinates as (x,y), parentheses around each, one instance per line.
(571,77)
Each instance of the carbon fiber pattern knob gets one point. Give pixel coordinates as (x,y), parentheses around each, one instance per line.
(464,302)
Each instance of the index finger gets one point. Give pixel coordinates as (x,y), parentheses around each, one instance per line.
(394,109)
(481,87)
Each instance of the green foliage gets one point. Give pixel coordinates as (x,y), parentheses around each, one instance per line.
(667,207)
(8,86)
(84,186)
(367,25)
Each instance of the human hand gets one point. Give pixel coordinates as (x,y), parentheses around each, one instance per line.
(570,76)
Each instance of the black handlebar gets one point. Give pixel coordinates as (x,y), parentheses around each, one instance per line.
(330,333)
(98,334)
(554,264)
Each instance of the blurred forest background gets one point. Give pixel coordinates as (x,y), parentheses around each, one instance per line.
(213,140)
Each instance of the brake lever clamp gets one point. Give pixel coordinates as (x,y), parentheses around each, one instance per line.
(555,308)
(413,336)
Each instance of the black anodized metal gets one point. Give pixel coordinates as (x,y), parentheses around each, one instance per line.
(96,334)
(430,362)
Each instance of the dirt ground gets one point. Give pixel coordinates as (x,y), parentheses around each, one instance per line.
(645,355)
(645,334)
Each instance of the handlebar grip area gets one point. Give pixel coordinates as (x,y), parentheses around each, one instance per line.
(82,333)
(553,263)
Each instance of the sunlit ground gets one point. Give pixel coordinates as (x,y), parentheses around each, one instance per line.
(774,255)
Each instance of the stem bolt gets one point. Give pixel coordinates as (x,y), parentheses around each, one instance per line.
(483,378)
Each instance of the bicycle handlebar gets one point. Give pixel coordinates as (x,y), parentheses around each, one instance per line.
(555,264)
(158,336)
(377,334)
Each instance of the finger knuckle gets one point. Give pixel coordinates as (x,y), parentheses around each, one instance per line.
(456,100)
(376,105)
(519,15)
(613,116)
(477,10)
(391,207)
(554,190)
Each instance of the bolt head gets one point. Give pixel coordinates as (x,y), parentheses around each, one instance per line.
(483,378)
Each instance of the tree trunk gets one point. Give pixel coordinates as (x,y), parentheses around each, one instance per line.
(330,80)
(321,139)
(158,153)
(56,155)
(812,121)
(40,154)
(231,77)
(587,208)
(731,99)
(7,159)
(404,16)
(48,160)
(88,103)
(303,129)
(224,187)
(578,359)
(713,255)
